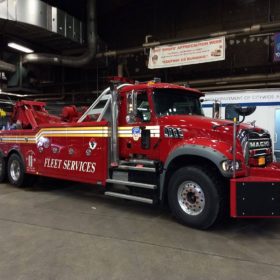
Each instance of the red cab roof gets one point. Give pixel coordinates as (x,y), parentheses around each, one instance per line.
(152,85)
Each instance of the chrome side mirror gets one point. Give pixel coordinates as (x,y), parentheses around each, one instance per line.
(245,111)
(131,107)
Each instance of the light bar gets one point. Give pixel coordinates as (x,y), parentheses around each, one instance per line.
(20,47)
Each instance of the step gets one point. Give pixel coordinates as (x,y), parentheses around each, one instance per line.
(138,161)
(132,184)
(130,197)
(119,175)
(136,168)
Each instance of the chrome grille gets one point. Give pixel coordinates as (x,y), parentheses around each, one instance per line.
(255,144)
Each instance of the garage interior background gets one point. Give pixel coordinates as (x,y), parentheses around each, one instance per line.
(125,29)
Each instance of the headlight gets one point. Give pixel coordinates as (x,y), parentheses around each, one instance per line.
(227,165)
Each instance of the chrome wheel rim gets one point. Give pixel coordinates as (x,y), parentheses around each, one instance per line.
(15,170)
(191,198)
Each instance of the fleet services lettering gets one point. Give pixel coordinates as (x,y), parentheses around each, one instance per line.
(73,165)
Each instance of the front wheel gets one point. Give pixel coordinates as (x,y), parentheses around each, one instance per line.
(195,196)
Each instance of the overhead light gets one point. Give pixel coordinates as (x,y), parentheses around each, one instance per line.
(20,47)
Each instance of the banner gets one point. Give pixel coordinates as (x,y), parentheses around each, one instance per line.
(244,97)
(276,56)
(187,53)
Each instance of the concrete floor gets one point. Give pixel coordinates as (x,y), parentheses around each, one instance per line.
(58,230)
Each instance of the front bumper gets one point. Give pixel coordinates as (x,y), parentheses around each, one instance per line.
(258,195)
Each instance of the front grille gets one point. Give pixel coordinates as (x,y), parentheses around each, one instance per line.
(255,144)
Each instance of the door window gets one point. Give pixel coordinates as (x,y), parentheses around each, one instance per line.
(143,112)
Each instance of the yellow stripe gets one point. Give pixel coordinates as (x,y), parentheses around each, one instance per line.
(74,128)
(19,141)
(79,135)
(18,136)
(130,136)
(124,131)
(152,127)
(125,128)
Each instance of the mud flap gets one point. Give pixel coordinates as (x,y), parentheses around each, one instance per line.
(254,198)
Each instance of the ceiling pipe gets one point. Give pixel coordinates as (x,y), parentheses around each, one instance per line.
(2,101)
(237,82)
(232,80)
(19,95)
(60,98)
(232,33)
(71,61)
(229,34)
(7,67)
(120,52)
(43,95)
(240,86)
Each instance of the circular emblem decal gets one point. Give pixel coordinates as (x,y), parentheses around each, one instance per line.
(136,133)
(88,152)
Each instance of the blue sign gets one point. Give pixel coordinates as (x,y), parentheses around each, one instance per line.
(276,56)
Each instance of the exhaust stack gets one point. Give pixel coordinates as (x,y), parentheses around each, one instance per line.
(114,126)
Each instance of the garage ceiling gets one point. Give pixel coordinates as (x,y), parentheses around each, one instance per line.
(123,24)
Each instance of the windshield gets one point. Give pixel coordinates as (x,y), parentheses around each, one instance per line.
(176,102)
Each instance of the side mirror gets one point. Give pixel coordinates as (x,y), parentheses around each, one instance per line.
(131,107)
(216,110)
(245,111)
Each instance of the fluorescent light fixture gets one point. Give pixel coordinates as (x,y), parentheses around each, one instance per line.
(20,47)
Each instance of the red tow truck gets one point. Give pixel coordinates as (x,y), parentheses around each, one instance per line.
(153,139)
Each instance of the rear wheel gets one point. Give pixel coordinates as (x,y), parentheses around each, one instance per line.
(195,196)
(16,171)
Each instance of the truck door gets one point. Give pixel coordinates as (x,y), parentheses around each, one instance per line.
(139,136)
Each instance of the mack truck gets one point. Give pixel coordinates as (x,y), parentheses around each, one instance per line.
(148,142)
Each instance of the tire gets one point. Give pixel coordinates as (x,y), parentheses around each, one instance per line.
(16,171)
(2,169)
(195,196)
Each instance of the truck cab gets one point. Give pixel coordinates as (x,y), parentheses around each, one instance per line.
(147,111)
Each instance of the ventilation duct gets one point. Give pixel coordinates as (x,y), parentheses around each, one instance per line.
(37,17)
(71,61)
(7,67)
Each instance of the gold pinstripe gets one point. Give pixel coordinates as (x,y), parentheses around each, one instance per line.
(73,132)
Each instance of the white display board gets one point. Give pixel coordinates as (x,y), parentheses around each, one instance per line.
(196,52)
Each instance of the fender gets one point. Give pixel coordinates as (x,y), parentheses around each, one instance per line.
(194,150)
